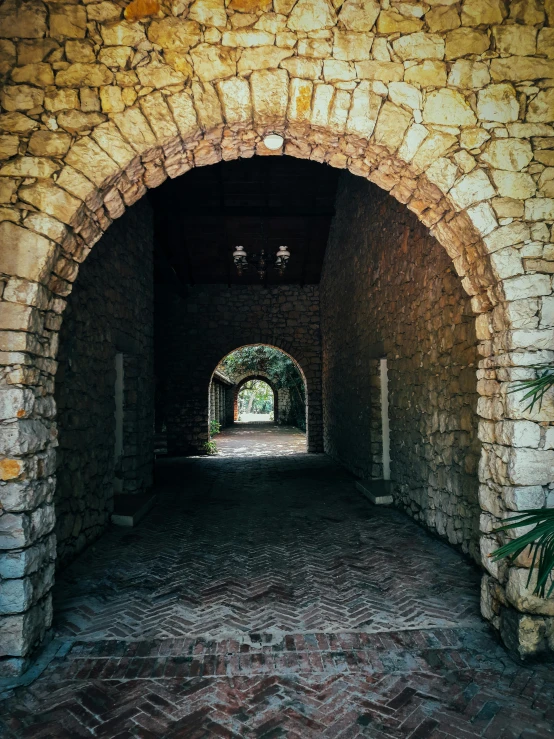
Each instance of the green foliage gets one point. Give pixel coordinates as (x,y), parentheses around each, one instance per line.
(541,542)
(215,427)
(536,387)
(540,539)
(255,396)
(210,447)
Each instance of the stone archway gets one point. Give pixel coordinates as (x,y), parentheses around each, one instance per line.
(438,107)
(256,376)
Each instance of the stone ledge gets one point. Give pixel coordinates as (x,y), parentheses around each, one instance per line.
(377,491)
(130,509)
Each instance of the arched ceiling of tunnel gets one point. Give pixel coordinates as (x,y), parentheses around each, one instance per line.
(264,201)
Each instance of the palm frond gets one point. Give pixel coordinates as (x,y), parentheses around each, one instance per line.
(536,387)
(541,542)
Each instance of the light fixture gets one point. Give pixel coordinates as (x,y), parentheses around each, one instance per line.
(262,261)
(273,141)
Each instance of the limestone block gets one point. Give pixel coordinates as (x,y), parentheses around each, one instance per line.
(311,15)
(463,41)
(335,71)
(16,403)
(391,125)
(207,105)
(184,114)
(56,100)
(49,143)
(517,185)
(20,632)
(51,199)
(382,71)
(348,46)
(519,434)
(442,18)
(47,226)
(250,6)
(115,56)
(466,73)
(321,109)
(427,74)
(159,75)
(412,141)
(22,20)
(25,436)
(472,188)
(39,74)
(483,218)
(549,441)
(21,97)
(111,100)
(103,12)
(541,108)
(235,100)
(247,38)
(272,22)
(515,39)
(7,56)
(508,154)
(84,75)
(174,33)
(419,46)
(523,498)
(18,595)
(539,209)
(526,286)
(8,189)
(359,15)
(510,235)
(520,594)
(135,130)
(545,42)
(517,68)
(547,314)
(390,21)
(527,11)
(122,33)
(9,146)
(74,121)
(26,561)
(29,166)
(480,12)
(339,110)
(442,173)
(498,103)
(67,21)
(506,263)
(364,111)
(179,61)
(314,47)
(262,57)
(448,108)
(269,95)
(432,149)
(303,67)
(25,254)
(209,13)
(401,93)
(300,100)
(159,117)
(213,62)
(79,51)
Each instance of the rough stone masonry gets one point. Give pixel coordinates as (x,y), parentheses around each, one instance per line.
(447,105)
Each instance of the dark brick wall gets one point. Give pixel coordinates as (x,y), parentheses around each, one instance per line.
(388,286)
(194,334)
(110,310)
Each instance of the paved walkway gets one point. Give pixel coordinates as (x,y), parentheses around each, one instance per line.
(257,439)
(266,598)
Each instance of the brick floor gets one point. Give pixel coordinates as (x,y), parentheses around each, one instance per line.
(264,597)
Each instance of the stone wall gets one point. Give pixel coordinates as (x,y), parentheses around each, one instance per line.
(110,311)
(389,289)
(196,333)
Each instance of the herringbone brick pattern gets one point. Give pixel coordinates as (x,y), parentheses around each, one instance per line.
(265,598)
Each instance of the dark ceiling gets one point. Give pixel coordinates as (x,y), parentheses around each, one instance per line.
(265,201)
